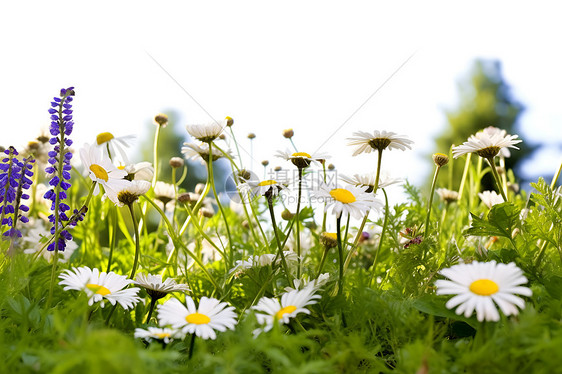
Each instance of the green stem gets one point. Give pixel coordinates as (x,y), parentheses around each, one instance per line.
(113,238)
(152,305)
(137,241)
(191,346)
(497,177)
(381,239)
(430,203)
(237,149)
(464,175)
(379,163)
(356,241)
(340,254)
(322,261)
(155,155)
(298,232)
(555,177)
(269,198)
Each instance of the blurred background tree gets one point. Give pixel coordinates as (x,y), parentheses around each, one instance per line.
(485,100)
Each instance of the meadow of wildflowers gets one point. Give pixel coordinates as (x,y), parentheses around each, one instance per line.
(107,267)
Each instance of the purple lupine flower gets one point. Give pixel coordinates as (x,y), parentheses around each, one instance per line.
(14,180)
(59,166)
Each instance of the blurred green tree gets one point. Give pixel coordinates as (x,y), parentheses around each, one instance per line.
(485,100)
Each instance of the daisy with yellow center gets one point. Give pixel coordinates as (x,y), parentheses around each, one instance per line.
(130,193)
(114,147)
(487,144)
(207,132)
(211,315)
(351,200)
(477,286)
(271,310)
(101,170)
(366,142)
(101,287)
(302,159)
(269,187)
(165,334)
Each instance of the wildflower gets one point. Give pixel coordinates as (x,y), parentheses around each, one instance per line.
(114,147)
(369,180)
(176,162)
(329,239)
(313,285)
(302,159)
(139,171)
(271,310)
(266,188)
(131,191)
(440,159)
(378,140)
(481,284)
(165,334)
(35,238)
(251,136)
(202,321)
(487,144)
(490,198)
(288,133)
(100,286)
(206,132)
(157,289)
(265,163)
(161,120)
(193,151)
(229,121)
(349,200)
(264,260)
(447,196)
(165,192)
(101,170)
(59,166)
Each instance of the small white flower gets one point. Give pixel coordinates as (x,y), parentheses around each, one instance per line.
(264,260)
(301,159)
(490,198)
(202,321)
(156,288)
(100,286)
(479,285)
(369,180)
(165,192)
(487,144)
(271,310)
(131,192)
(379,140)
(446,195)
(200,152)
(206,132)
(349,200)
(139,171)
(35,240)
(101,170)
(114,147)
(164,334)
(261,188)
(314,284)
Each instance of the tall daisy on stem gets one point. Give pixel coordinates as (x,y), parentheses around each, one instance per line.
(488,145)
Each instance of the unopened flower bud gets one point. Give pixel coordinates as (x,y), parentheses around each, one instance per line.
(287,215)
(265,162)
(331,166)
(176,162)
(440,159)
(199,188)
(245,225)
(288,133)
(251,136)
(188,197)
(329,239)
(229,121)
(208,213)
(222,137)
(161,120)
(277,168)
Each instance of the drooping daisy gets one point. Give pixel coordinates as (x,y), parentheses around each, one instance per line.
(131,192)
(200,152)
(369,180)
(269,187)
(349,200)
(379,140)
(490,198)
(301,159)
(448,196)
(210,315)
(100,286)
(479,285)
(206,132)
(165,192)
(157,289)
(271,310)
(114,147)
(139,171)
(165,334)
(486,144)
(101,170)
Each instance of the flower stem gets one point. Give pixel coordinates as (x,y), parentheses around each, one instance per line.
(113,238)
(430,203)
(340,253)
(464,175)
(497,177)
(379,163)
(269,198)
(155,155)
(555,177)
(381,239)
(191,346)
(298,232)
(152,305)
(137,241)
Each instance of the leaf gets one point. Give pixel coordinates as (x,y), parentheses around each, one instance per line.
(434,306)
(501,221)
(554,286)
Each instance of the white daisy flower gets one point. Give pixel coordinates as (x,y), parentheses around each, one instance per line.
(448,196)
(264,260)
(487,144)
(261,188)
(369,180)
(114,147)
(36,238)
(269,310)
(131,192)
(158,333)
(157,289)
(202,321)
(479,285)
(490,198)
(349,200)
(200,152)
(314,284)
(101,170)
(206,132)
(100,286)
(491,131)
(301,159)
(378,140)
(139,171)
(165,192)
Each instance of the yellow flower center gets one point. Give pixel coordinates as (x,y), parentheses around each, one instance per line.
(121,167)
(99,172)
(301,154)
(104,137)
(342,195)
(162,335)
(285,310)
(100,290)
(331,235)
(268,182)
(197,319)
(484,287)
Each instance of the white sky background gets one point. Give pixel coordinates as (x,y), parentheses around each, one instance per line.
(306,65)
